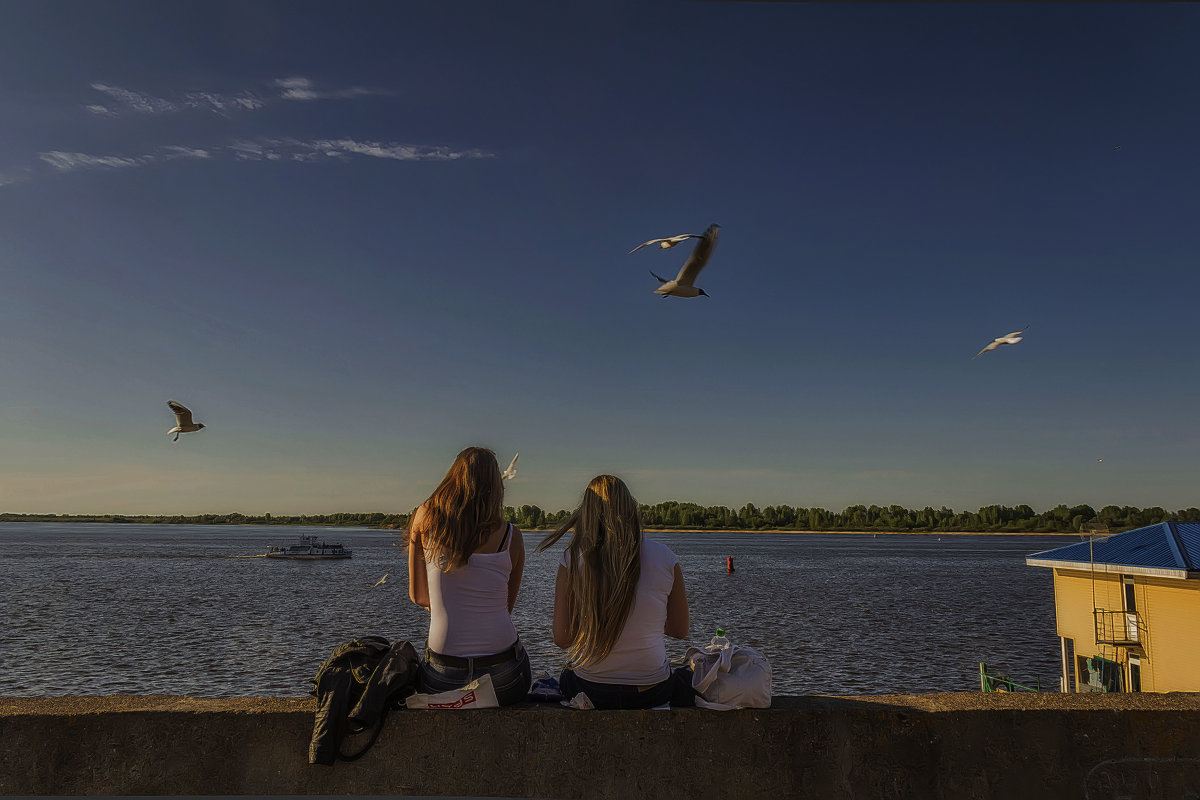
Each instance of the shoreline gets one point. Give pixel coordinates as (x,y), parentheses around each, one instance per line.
(848,533)
(549,529)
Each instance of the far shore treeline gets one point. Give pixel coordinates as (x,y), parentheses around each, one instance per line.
(672,515)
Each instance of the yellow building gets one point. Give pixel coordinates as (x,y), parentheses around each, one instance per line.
(1128,610)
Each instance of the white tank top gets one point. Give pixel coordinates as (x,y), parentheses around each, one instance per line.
(639,656)
(468,606)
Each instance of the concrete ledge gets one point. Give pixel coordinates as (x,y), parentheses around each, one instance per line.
(1025,746)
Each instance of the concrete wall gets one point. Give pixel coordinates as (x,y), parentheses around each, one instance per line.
(1026,746)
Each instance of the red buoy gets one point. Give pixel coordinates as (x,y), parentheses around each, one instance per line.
(729,563)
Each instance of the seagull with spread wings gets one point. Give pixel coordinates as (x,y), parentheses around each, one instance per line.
(669,242)
(511,472)
(683,286)
(1011,338)
(183,421)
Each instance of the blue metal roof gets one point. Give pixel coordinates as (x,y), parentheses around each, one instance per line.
(1167,545)
(1188,535)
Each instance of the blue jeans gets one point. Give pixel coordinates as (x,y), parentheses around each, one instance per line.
(510,678)
(676,690)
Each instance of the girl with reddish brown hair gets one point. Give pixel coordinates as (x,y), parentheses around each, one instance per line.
(464,566)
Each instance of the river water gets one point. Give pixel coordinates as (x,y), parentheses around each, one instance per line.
(94,609)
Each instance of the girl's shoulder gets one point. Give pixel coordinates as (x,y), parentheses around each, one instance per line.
(658,553)
(418,523)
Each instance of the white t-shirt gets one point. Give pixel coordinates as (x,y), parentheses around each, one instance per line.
(639,657)
(468,606)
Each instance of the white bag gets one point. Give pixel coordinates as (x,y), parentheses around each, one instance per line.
(479,693)
(730,677)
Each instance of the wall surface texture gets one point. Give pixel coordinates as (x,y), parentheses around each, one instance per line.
(1026,746)
(1168,609)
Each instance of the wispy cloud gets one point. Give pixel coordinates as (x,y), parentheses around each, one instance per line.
(10,177)
(276,149)
(298,88)
(315,150)
(130,101)
(120,101)
(242,101)
(176,151)
(252,151)
(65,162)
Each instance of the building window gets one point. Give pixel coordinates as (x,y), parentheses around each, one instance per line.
(1098,674)
(1131,617)
(1068,665)
(1135,674)
(1130,598)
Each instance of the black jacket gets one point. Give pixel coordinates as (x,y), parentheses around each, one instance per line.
(355,687)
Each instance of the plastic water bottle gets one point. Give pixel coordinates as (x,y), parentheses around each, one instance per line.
(719,642)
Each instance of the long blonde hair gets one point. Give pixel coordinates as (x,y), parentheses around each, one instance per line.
(604,567)
(464,509)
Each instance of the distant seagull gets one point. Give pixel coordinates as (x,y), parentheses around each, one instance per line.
(1099,459)
(381,581)
(511,472)
(1011,338)
(1118,147)
(669,242)
(183,421)
(682,285)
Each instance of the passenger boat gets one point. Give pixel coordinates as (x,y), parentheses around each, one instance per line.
(310,547)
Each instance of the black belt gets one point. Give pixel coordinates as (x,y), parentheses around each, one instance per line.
(511,654)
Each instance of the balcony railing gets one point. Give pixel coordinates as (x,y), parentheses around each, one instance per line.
(1123,628)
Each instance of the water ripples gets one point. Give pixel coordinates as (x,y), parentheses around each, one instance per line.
(138,609)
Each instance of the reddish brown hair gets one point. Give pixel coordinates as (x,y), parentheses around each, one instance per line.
(464,509)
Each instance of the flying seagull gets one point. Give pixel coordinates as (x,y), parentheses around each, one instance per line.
(183,421)
(682,285)
(511,472)
(381,581)
(1011,338)
(669,242)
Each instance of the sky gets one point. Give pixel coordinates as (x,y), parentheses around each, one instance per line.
(357,238)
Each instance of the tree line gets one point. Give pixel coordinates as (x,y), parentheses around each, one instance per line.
(988,519)
(363,520)
(691,516)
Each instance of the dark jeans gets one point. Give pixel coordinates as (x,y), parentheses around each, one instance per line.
(676,690)
(511,678)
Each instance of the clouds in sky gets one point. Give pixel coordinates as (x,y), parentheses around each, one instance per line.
(128,100)
(65,162)
(121,102)
(14,176)
(262,150)
(303,89)
(341,149)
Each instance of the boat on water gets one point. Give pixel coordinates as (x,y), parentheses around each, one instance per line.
(309,547)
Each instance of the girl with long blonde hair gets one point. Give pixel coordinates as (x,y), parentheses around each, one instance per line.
(464,565)
(616,596)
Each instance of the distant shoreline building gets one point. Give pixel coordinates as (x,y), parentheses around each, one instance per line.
(1127,608)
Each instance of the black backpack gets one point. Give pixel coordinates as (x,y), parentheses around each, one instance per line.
(355,688)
